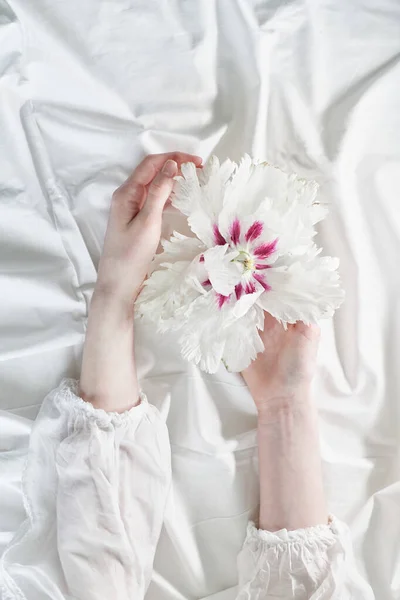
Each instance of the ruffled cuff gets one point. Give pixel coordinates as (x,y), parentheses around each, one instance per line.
(66,398)
(319,535)
(304,564)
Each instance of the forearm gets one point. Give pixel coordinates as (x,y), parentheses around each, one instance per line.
(291,485)
(108,377)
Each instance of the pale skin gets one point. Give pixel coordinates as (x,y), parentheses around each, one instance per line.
(291,488)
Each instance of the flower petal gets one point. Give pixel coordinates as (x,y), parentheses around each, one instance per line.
(239,291)
(199,194)
(172,277)
(302,191)
(187,192)
(254,231)
(264,251)
(202,340)
(242,340)
(164,294)
(243,305)
(178,248)
(253,182)
(304,291)
(219,240)
(223,274)
(260,277)
(234,231)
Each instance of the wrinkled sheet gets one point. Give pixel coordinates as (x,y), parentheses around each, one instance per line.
(86,90)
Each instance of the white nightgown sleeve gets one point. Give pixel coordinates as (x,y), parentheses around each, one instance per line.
(95,489)
(315,563)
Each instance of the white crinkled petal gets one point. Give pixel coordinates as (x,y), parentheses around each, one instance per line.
(295,234)
(178,247)
(201,223)
(243,341)
(187,192)
(208,188)
(202,338)
(172,282)
(246,221)
(244,304)
(216,176)
(222,273)
(165,295)
(304,291)
(179,243)
(252,183)
(304,192)
(211,334)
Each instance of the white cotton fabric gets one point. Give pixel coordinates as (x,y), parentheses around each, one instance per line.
(95,490)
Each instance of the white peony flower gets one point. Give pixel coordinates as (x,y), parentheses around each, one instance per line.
(253,251)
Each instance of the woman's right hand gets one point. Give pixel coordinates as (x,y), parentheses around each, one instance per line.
(108,376)
(284,370)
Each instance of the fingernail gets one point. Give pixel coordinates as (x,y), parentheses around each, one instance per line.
(170,168)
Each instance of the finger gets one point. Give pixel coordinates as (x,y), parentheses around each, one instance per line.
(269,321)
(160,189)
(127,201)
(153,163)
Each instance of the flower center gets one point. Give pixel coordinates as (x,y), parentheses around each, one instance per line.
(246,259)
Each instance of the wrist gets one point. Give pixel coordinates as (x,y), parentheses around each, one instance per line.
(271,407)
(108,377)
(108,304)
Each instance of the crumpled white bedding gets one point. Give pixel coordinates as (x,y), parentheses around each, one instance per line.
(86,89)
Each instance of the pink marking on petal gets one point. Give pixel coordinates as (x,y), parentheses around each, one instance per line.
(238,290)
(249,288)
(219,238)
(261,279)
(259,266)
(202,258)
(265,250)
(235,231)
(254,231)
(206,282)
(222,299)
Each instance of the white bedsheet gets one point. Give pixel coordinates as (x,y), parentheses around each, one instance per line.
(88,88)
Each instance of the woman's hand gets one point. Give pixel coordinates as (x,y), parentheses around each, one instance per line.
(134,225)
(284,370)
(108,377)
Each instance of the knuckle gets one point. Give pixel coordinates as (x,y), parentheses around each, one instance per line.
(149,158)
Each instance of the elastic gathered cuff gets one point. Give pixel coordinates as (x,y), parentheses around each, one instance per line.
(67,399)
(321,534)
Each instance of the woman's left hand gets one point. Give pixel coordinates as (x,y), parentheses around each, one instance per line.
(283,372)
(134,225)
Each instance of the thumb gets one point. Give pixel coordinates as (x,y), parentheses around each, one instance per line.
(160,189)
